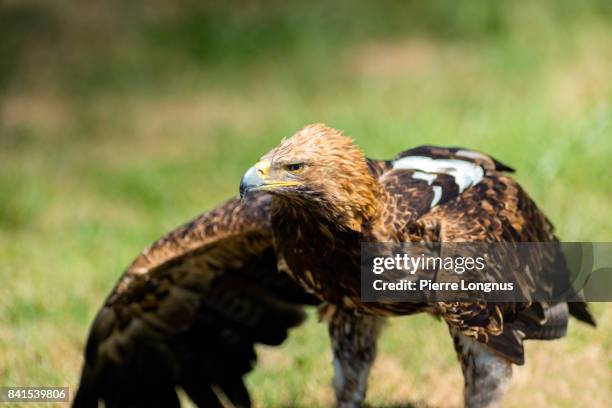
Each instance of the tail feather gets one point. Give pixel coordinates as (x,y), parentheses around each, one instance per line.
(580,310)
(554,325)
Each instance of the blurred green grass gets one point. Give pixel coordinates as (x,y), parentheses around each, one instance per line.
(119,121)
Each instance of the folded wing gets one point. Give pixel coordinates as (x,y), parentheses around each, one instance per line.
(441,194)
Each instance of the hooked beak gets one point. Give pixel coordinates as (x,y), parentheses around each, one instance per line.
(250,181)
(256,179)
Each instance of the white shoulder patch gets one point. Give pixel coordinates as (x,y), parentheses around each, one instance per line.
(437,190)
(428,177)
(466,174)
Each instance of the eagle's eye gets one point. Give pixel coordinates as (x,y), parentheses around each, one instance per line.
(294,167)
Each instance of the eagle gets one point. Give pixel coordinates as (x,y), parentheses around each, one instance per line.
(196,301)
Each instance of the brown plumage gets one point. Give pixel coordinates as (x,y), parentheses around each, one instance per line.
(328,198)
(189,309)
(188,312)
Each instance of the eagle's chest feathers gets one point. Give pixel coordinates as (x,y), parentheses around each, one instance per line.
(321,257)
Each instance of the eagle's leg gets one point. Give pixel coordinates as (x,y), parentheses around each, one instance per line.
(354,345)
(486,374)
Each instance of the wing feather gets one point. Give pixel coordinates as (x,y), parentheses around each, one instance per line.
(188,311)
(478,206)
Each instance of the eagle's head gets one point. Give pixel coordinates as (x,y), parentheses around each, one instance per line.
(320,169)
